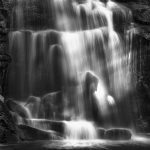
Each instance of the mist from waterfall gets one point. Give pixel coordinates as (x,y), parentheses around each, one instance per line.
(90,37)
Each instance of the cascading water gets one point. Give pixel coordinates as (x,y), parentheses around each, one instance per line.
(85,57)
(76,130)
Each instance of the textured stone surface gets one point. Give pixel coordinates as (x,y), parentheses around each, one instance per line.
(8,129)
(4,61)
(4,58)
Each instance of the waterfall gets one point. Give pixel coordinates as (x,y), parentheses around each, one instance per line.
(84,51)
(76,130)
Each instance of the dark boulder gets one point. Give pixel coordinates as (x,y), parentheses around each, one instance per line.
(118,134)
(101,133)
(90,86)
(27,133)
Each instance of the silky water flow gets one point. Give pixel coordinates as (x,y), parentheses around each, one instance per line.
(79,72)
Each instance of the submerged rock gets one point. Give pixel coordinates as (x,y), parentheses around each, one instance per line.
(27,133)
(118,134)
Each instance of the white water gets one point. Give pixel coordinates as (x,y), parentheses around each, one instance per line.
(79,130)
(85,40)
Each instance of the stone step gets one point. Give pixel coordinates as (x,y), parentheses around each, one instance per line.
(57,126)
(27,133)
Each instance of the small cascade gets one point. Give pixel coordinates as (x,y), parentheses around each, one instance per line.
(79,130)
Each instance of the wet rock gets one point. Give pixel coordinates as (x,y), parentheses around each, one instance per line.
(33,103)
(118,134)
(57,126)
(17,108)
(27,133)
(91,81)
(51,106)
(101,133)
(4,13)
(8,128)
(4,61)
(90,86)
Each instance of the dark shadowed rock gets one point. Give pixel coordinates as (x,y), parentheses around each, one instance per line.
(4,12)
(8,128)
(17,108)
(90,86)
(101,133)
(4,61)
(118,134)
(91,81)
(28,133)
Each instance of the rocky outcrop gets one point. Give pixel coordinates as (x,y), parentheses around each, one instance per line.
(8,129)
(17,108)
(4,58)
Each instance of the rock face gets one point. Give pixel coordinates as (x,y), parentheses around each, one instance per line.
(4,58)
(118,134)
(8,129)
(4,62)
(90,86)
